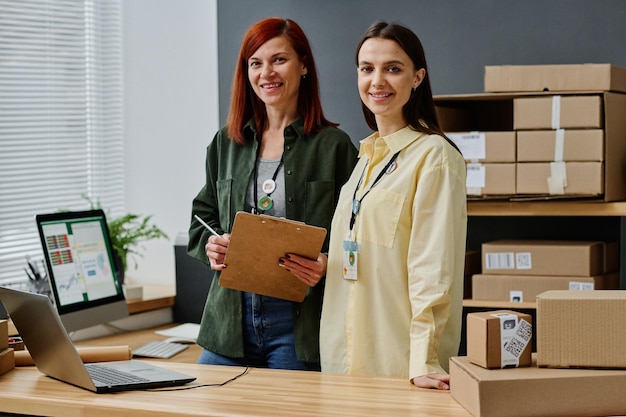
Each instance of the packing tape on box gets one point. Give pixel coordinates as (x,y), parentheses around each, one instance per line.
(556,112)
(87,353)
(557,181)
(559,144)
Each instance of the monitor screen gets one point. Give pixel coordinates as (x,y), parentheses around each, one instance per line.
(81,270)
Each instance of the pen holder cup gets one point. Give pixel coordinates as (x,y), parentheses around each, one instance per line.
(40,286)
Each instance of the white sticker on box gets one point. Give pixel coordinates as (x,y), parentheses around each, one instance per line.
(499,260)
(472,145)
(514,337)
(475,177)
(516,296)
(523,260)
(581,286)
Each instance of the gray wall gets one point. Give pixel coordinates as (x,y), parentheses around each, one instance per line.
(460,37)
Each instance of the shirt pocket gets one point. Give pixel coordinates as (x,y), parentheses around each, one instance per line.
(380,216)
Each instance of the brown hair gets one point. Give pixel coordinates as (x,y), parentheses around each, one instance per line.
(419,111)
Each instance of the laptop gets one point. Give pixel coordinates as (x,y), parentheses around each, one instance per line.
(54,354)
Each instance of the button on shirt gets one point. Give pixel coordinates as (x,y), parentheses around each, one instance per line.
(402,316)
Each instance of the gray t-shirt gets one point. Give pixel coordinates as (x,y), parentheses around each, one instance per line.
(266,169)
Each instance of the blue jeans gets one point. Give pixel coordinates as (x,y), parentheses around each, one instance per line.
(268,337)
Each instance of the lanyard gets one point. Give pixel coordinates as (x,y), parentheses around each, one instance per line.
(256,175)
(356,203)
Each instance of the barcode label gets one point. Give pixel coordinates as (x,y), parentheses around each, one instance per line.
(581,286)
(500,260)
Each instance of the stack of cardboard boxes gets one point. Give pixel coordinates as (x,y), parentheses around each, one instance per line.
(566,125)
(542,131)
(519,270)
(579,368)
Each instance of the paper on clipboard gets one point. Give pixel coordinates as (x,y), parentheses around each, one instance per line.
(256,244)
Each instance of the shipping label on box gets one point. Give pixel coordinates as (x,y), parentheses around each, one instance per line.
(485,146)
(565,77)
(550,257)
(560,145)
(499,339)
(581,329)
(560,178)
(556,112)
(490,179)
(525,288)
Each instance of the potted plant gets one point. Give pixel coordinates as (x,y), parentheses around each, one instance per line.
(126,234)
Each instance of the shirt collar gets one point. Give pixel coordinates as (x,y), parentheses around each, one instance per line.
(297,125)
(394,142)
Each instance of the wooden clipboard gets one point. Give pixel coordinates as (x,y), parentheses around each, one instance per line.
(256,244)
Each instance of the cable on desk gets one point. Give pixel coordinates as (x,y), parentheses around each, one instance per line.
(219,384)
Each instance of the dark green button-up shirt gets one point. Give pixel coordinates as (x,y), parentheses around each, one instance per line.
(315,167)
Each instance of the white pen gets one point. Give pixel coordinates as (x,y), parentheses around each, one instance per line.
(209,228)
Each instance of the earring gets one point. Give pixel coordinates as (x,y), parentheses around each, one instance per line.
(304,76)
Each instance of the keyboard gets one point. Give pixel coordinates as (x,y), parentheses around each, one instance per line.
(111,376)
(159,349)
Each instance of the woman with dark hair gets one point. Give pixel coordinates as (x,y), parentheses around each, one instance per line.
(393,300)
(277,155)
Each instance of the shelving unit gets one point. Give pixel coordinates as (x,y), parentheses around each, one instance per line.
(558,220)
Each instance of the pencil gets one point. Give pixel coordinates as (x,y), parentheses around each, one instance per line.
(209,228)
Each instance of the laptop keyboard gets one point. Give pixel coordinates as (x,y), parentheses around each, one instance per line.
(111,376)
(159,349)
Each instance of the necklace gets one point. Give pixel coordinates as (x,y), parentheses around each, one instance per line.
(265,202)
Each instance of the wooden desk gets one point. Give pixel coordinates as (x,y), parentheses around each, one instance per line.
(261,392)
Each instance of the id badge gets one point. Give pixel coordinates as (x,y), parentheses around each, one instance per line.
(350,259)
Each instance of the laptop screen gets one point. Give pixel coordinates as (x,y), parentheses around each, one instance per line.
(79,258)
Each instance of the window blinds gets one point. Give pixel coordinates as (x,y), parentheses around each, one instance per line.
(60,117)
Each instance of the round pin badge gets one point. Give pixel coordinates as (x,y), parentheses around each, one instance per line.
(265,203)
(391,167)
(269,186)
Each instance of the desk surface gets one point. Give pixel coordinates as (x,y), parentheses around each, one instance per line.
(261,392)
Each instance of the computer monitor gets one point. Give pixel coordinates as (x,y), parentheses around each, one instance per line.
(81,271)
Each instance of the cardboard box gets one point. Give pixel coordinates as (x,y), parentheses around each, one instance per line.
(560,145)
(4,334)
(499,339)
(7,360)
(558,179)
(494,112)
(490,179)
(521,288)
(568,77)
(558,112)
(485,146)
(536,392)
(550,257)
(581,329)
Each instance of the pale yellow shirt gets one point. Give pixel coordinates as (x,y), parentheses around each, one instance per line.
(402,316)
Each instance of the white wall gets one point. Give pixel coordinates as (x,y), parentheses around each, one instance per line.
(171,113)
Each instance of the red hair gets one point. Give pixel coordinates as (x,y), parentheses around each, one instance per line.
(244,103)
